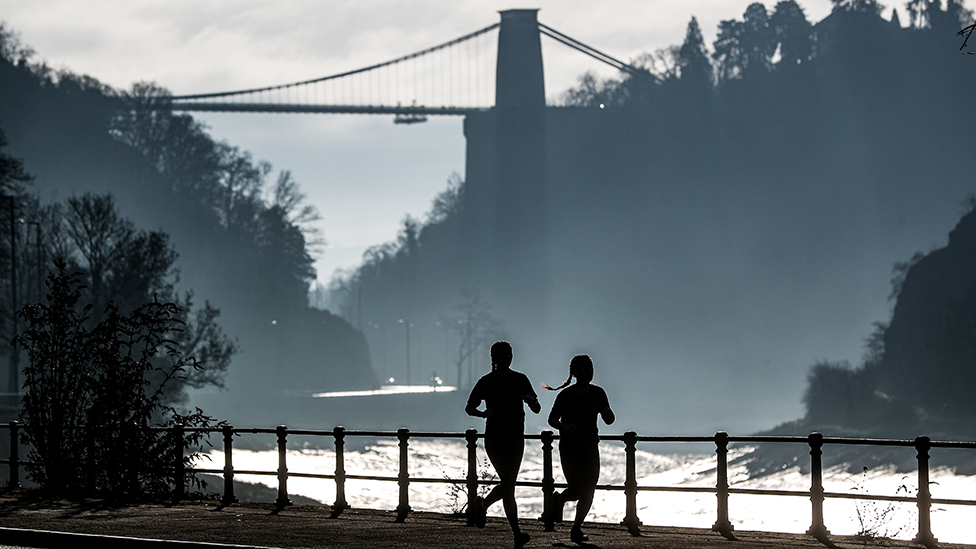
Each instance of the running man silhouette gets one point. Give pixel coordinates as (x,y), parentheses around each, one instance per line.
(574,414)
(503,391)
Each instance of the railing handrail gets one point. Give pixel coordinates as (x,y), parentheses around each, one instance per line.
(630,439)
(538,436)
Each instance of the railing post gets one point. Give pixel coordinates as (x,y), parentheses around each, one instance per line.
(132,435)
(282,500)
(14,481)
(817,527)
(471,435)
(90,468)
(228,432)
(722,524)
(340,471)
(548,484)
(630,484)
(179,468)
(924,537)
(403,434)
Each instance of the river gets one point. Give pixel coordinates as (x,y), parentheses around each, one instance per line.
(441,458)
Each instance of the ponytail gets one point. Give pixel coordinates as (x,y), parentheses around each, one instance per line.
(579,363)
(565,383)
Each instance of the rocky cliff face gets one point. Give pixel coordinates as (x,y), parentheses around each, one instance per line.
(929,359)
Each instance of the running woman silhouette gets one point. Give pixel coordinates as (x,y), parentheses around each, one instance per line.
(503,391)
(574,414)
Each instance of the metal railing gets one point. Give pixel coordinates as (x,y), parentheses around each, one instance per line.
(815,441)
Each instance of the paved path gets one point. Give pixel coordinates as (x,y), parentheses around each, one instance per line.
(201,523)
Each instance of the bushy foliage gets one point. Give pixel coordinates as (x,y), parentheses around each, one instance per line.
(92,394)
(838,394)
(124,266)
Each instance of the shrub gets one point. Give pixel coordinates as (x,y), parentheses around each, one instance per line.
(89,402)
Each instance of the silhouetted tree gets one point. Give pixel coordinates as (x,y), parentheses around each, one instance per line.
(895,20)
(121,263)
(13,182)
(11,48)
(696,69)
(293,203)
(13,177)
(282,257)
(744,46)
(123,268)
(866,6)
(447,203)
(793,33)
(476,328)
(757,38)
(656,68)
(929,14)
(728,52)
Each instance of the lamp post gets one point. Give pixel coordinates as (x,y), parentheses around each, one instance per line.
(406,324)
(461,343)
(37,242)
(382,365)
(14,379)
(447,352)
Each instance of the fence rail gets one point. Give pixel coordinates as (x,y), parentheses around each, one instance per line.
(815,441)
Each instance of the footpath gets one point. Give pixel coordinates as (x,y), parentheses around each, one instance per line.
(32,522)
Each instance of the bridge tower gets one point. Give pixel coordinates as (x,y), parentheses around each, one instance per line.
(507,164)
(518,78)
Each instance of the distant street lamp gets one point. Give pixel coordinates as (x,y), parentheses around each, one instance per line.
(277,329)
(384,362)
(407,324)
(447,352)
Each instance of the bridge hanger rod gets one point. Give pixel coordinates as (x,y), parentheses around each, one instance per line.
(334,76)
(588,50)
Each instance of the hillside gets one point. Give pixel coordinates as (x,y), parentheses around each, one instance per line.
(236,225)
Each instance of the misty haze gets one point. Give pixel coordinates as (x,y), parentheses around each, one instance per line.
(774,230)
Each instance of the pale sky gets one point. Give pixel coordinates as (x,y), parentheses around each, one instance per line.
(362,172)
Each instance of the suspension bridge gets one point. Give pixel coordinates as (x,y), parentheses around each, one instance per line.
(488,67)
(493,77)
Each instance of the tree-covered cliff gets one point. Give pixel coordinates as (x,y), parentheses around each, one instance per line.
(242,233)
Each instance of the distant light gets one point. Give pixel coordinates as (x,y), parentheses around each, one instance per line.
(274,322)
(601,105)
(392,380)
(389,390)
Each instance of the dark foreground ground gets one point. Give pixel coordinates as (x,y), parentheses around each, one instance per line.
(307,526)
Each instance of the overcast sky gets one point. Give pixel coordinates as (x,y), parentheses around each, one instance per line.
(363,173)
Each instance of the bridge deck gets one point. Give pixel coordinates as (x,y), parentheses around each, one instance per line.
(191,106)
(306,526)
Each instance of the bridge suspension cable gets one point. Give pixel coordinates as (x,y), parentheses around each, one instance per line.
(588,50)
(454,77)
